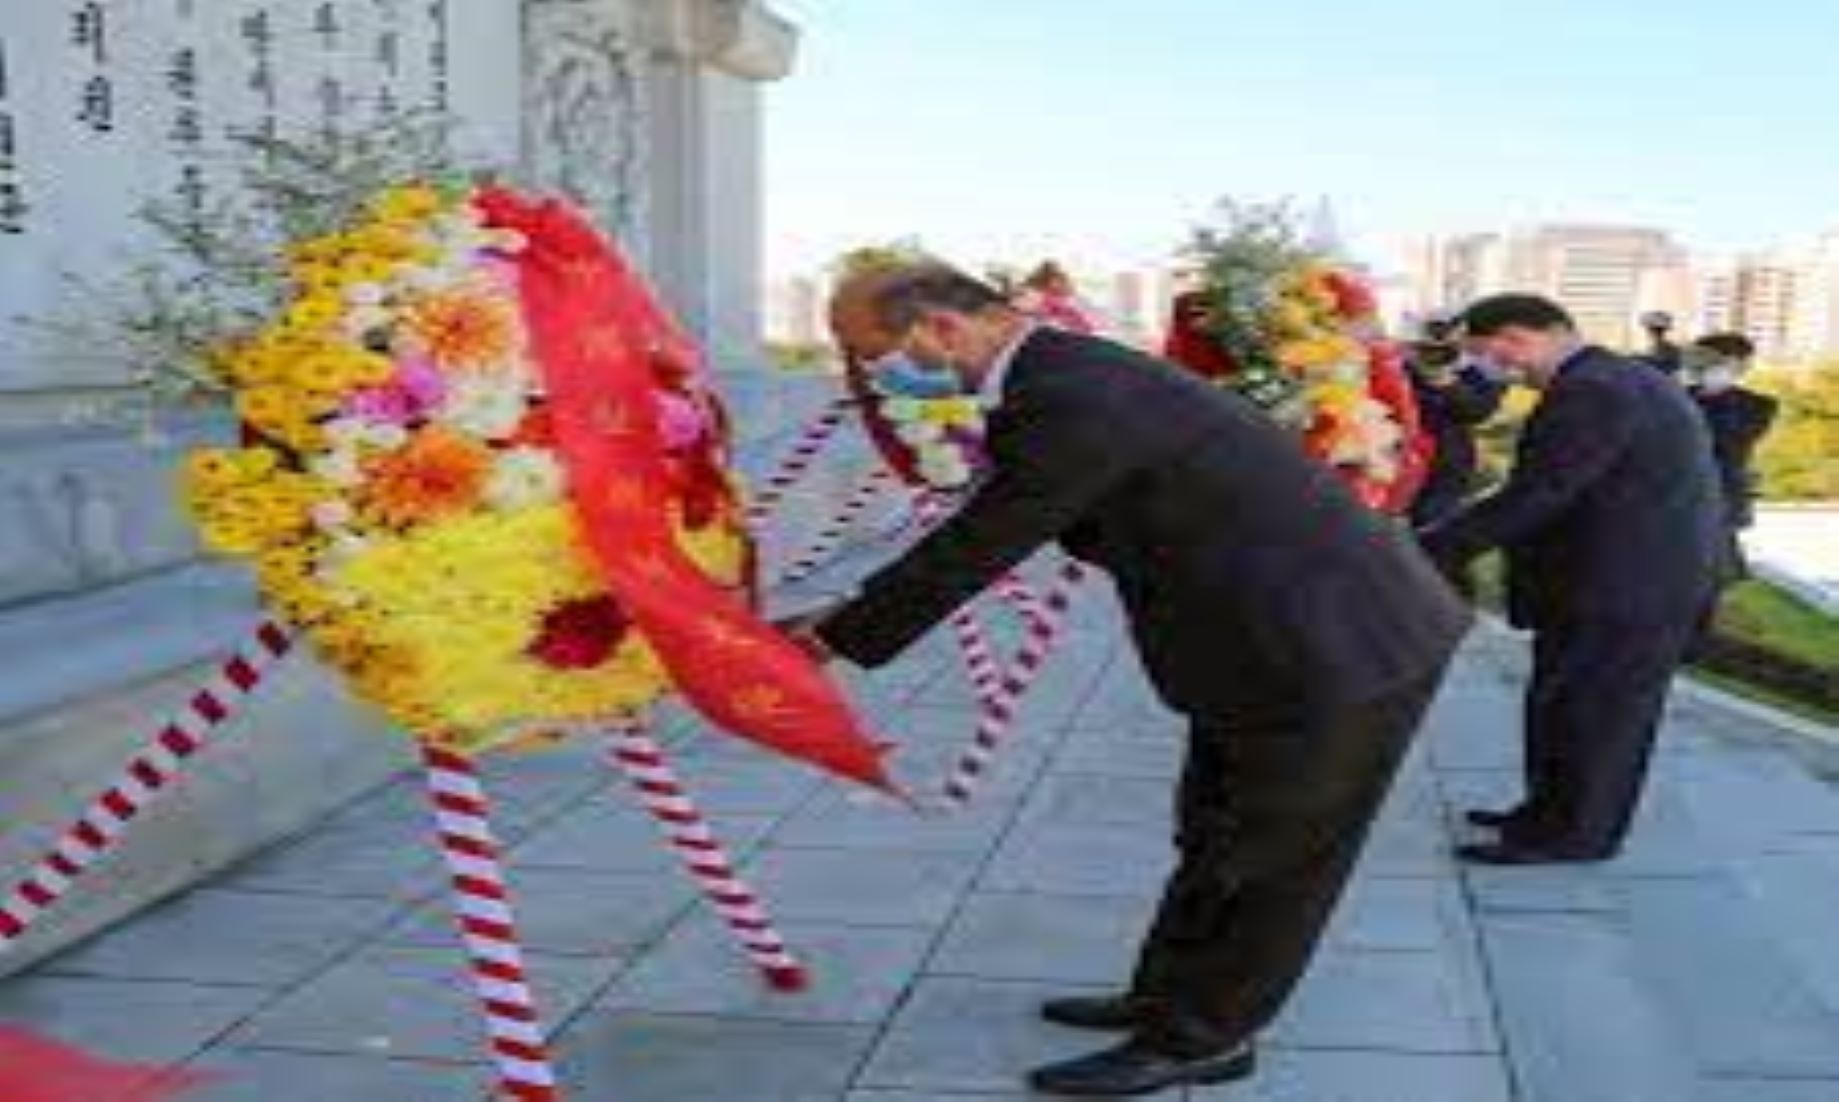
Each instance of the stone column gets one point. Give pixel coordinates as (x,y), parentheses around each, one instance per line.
(705,228)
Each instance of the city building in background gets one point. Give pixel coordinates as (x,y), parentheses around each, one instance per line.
(1786,300)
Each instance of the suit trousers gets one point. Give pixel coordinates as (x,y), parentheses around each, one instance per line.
(1593,710)
(1275,805)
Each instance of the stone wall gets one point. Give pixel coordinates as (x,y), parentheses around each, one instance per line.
(647,110)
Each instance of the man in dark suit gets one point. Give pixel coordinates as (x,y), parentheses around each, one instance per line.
(1739,419)
(1301,636)
(1455,397)
(1611,522)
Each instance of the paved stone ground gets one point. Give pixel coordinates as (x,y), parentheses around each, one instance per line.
(1702,968)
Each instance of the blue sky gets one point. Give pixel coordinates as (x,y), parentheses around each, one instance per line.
(1102,128)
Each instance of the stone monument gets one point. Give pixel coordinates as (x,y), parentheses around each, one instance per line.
(647,111)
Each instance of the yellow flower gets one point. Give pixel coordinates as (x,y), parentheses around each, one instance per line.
(408,203)
(315,311)
(367,269)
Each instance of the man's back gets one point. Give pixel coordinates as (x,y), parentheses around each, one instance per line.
(1247,567)
(1640,541)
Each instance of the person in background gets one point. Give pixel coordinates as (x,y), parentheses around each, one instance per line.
(1739,419)
(1612,522)
(1455,396)
(1049,296)
(1662,351)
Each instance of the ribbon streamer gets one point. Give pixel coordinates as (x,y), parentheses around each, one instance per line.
(599,336)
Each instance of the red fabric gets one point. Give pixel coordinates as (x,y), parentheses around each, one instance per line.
(38,1069)
(1391,387)
(1188,346)
(604,345)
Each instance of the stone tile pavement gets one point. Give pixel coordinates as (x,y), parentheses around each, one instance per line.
(1702,968)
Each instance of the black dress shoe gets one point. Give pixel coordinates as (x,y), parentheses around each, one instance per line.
(1513,853)
(1103,1012)
(1133,1068)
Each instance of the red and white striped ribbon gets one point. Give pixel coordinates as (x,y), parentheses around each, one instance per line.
(981,664)
(147,775)
(837,528)
(482,911)
(996,719)
(1019,595)
(797,460)
(639,756)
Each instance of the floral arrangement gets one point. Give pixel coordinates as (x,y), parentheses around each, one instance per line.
(1279,321)
(400,494)
(939,423)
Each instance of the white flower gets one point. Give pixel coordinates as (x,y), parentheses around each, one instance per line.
(360,321)
(366,294)
(486,406)
(903,410)
(330,516)
(509,241)
(341,467)
(354,433)
(942,469)
(343,548)
(522,478)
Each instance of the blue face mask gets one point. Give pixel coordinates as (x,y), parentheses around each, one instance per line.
(900,375)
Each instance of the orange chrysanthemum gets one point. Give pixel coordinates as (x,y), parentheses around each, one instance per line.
(464,330)
(438,474)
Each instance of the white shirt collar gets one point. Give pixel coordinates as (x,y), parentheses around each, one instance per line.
(997,378)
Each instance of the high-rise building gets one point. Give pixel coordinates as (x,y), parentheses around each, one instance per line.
(1765,295)
(1597,272)
(1448,272)
(795,310)
(1605,275)
(1814,334)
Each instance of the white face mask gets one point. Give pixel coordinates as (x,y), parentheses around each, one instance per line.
(1717,379)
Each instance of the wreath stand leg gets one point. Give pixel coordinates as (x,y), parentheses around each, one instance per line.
(797,461)
(642,760)
(482,910)
(1001,706)
(837,529)
(146,777)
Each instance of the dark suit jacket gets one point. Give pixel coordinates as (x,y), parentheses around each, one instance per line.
(1247,570)
(1739,419)
(1450,415)
(1613,509)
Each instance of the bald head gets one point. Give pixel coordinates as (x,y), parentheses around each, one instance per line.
(933,313)
(855,316)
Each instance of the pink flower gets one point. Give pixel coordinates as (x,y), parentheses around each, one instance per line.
(411,394)
(680,423)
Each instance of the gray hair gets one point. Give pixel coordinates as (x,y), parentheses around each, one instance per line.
(908,296)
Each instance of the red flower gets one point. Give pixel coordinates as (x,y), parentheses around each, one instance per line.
(580,635)
(1353,299)
(536,430)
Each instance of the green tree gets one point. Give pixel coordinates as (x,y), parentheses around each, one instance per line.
(1799,461)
